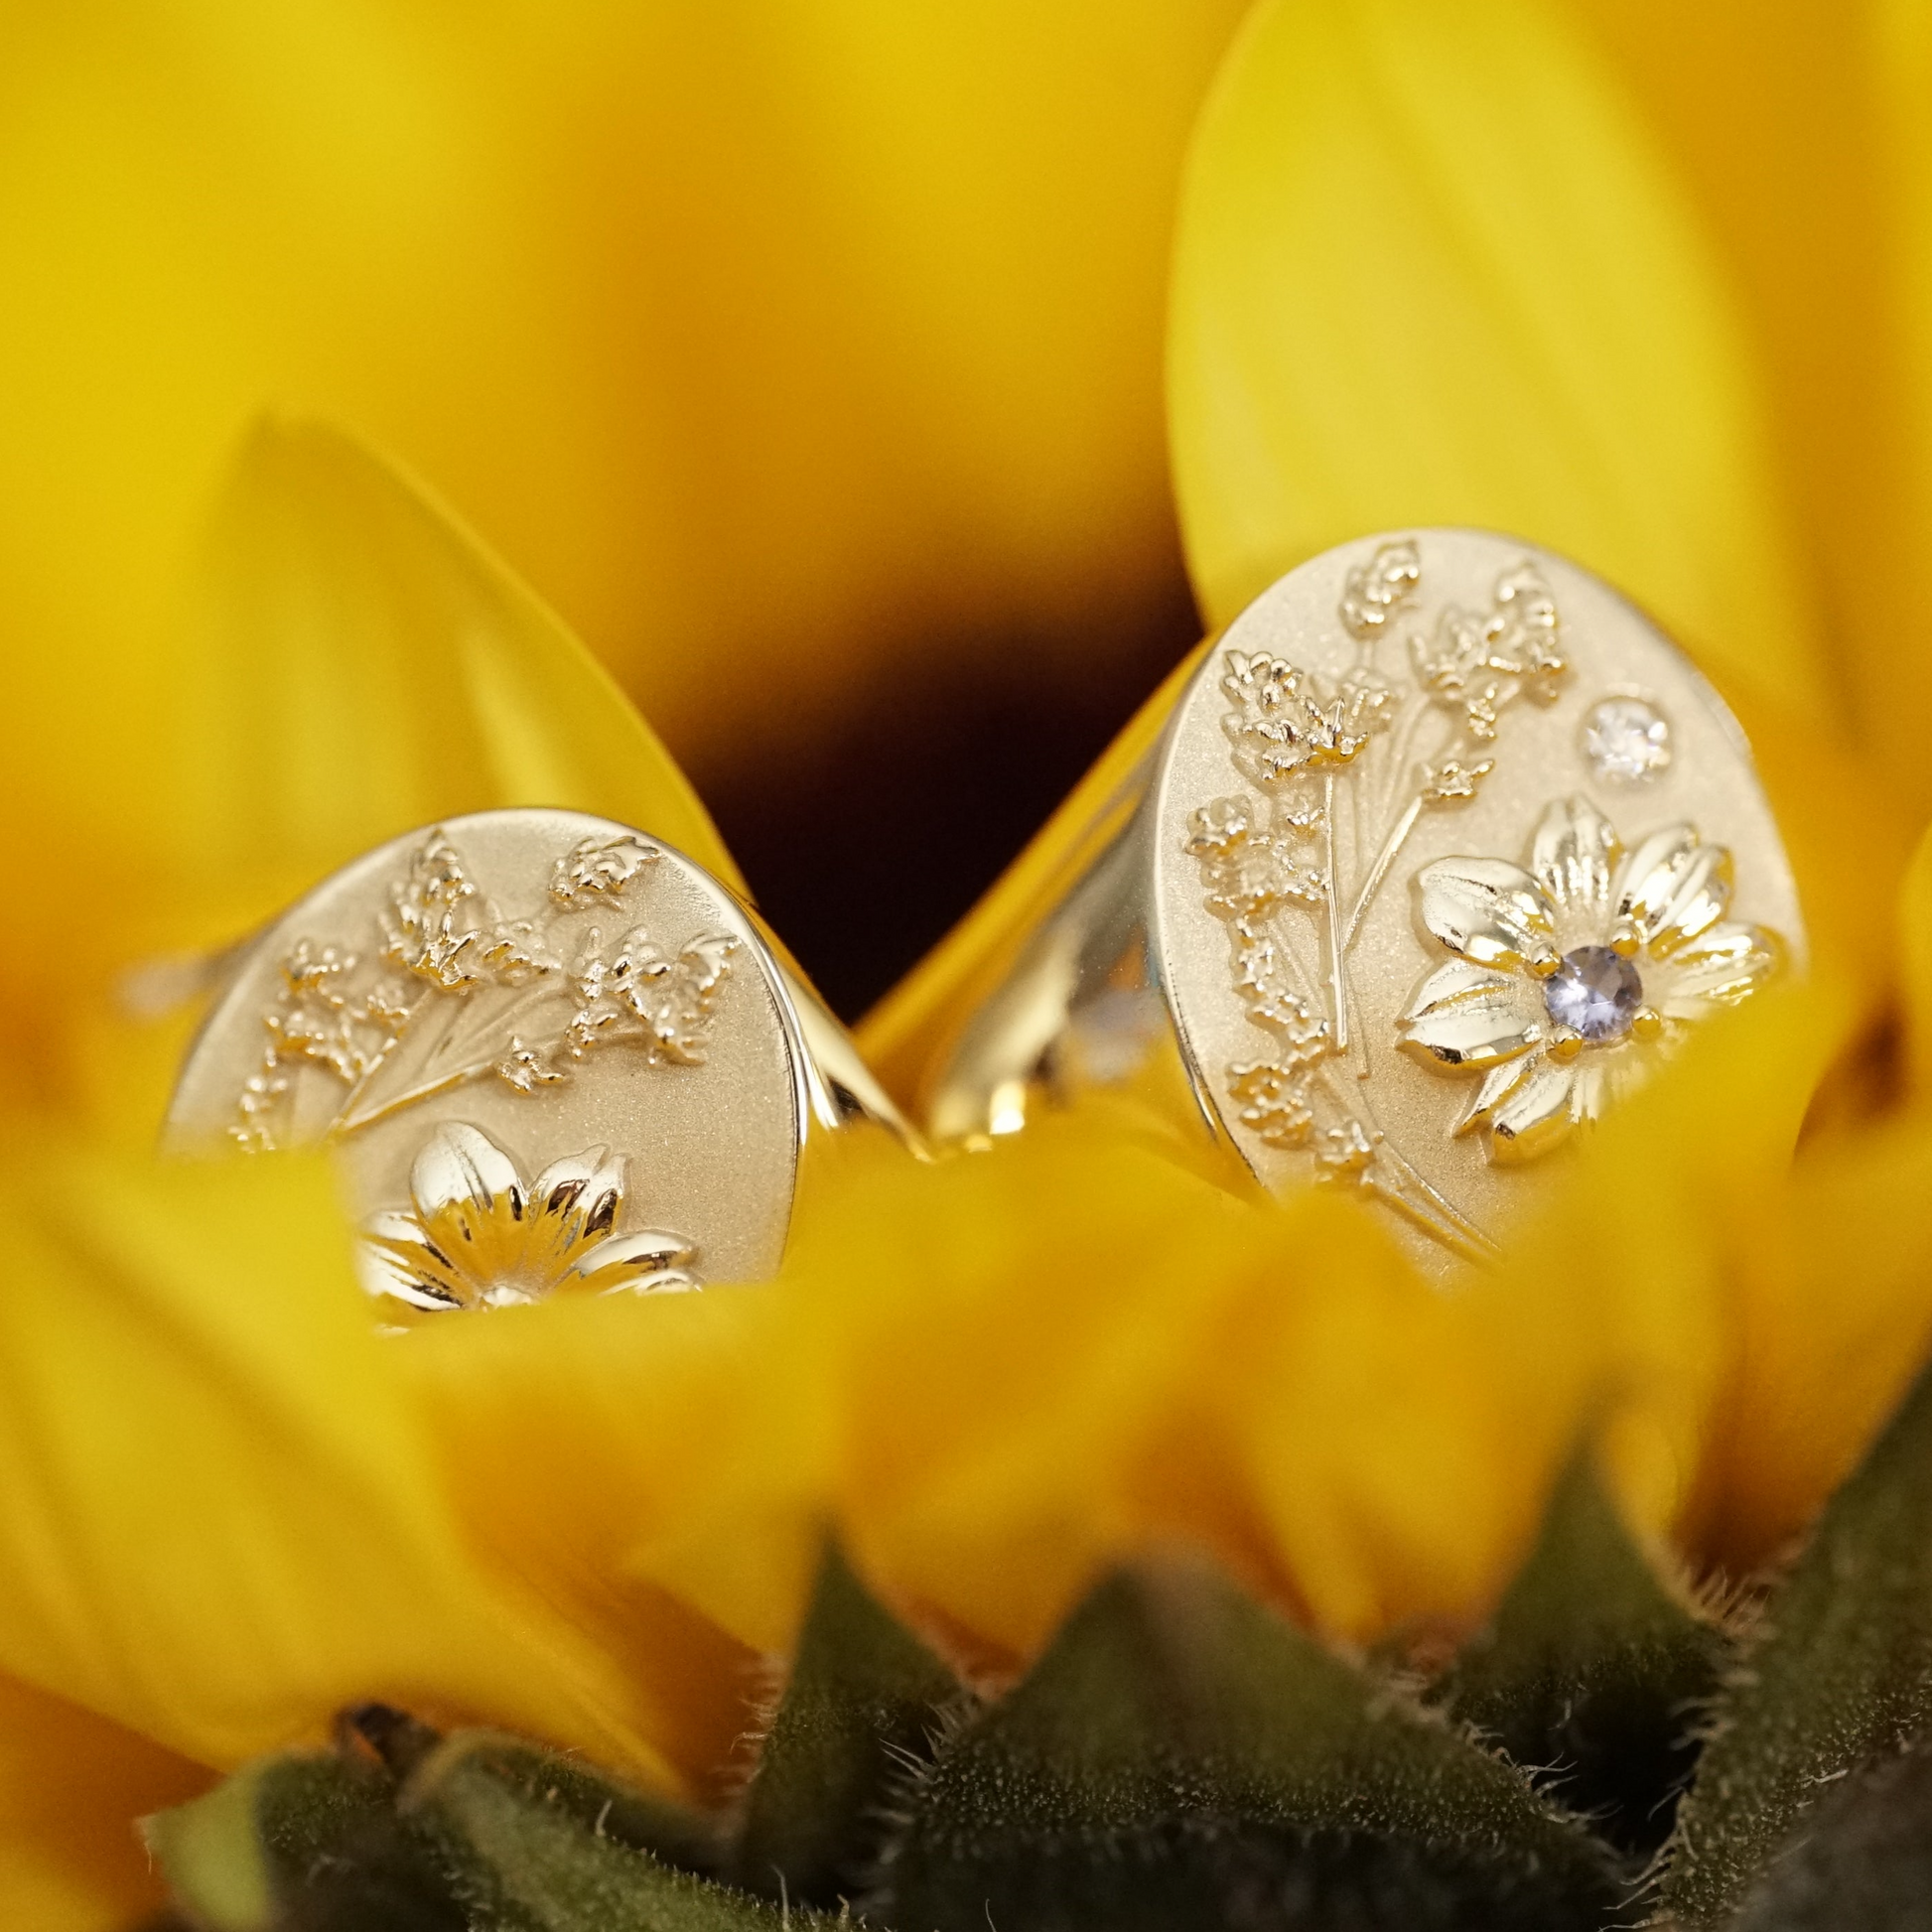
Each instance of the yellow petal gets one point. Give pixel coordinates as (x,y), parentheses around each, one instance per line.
(1637,1243)
(219,1521)
(763,341)
(1801,135)
(1429,269)
(72,1785)
(999,1374)
(361,665)
(1848,835)
(1832,1284)
(1915,932)
(561,1465)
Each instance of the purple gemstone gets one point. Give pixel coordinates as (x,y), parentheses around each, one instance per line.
(1594,993)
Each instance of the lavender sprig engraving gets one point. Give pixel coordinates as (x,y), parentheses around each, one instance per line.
(1337,775)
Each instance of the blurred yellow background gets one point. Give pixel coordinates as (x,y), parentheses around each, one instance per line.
(805,354)
(785,348)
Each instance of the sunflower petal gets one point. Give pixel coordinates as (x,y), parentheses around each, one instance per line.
(364,666)
(1431,269)
(1487,911)
(1573,855)
(70,1786)
(1467,1016)
(220,1520)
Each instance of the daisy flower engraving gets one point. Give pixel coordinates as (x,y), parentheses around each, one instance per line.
(1570,979)
(478,1235)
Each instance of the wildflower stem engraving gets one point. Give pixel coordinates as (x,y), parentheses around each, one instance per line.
(454,991)
(1337,778)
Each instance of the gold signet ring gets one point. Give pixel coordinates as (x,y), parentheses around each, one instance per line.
(1441,849)
(549,1051)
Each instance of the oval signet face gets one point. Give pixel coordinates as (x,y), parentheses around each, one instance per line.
(1452,848)
(548,1052)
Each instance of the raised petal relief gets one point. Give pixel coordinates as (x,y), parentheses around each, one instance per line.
(1719,968)
(1488,910)
(1535,1116)
(1559,1037)
(1702,898)
(1652,875)
(475,1235)
(1575,854)
(1468,1016)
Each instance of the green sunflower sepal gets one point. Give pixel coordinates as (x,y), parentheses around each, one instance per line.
(1609,1752)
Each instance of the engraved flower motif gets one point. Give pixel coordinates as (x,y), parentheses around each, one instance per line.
(594,869)
(1283,726)
(1479,663)
(420,931)
(640,991)
(1569,979)
(1247,871)
(478,1235)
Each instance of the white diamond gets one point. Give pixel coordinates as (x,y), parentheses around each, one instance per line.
(1628,741)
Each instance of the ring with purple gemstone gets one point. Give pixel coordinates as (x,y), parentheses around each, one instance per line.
(1436,851)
